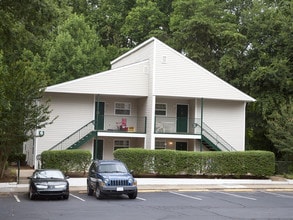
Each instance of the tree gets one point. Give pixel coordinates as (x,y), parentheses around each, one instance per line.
(22,114)
(27,25)
(144,21)
(207,33)
(107,17)
(75,52)
(269,72)
(280,128)
(23,28)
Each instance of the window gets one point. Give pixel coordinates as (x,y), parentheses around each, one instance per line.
(118,144)
(160,145)
(122,108)
(161,109)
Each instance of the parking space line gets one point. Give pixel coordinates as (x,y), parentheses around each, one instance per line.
(183,195)
(16,198)
(238,196)
(77,197)
(141,198)
(279,195)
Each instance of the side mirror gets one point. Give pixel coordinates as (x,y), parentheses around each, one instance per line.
(29,177)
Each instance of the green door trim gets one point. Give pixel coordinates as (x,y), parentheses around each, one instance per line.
(98,149)
(182,118)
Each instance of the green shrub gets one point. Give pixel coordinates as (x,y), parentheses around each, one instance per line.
(17,157)
(170,162)
(66,160)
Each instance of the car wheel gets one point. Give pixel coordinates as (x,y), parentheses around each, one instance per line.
(90,191)
(31,194)
(132,195)
(65,197)
(99,194)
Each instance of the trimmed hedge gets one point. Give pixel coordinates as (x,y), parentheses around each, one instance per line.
(170,162)
(66,160)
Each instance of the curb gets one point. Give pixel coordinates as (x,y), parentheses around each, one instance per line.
(165,184)
(163,188)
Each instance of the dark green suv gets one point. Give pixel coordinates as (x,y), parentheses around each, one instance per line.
(110,177)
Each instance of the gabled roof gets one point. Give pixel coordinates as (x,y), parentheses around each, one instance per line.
(118,81)
(171,74)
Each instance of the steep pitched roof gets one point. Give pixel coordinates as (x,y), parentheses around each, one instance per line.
(173,74)
(118,81)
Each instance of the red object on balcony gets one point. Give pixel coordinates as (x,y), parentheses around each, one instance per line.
(123,126)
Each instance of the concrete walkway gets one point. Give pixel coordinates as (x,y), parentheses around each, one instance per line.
(179,184)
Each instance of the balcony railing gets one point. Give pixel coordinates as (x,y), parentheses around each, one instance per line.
(114,123)
(175,125)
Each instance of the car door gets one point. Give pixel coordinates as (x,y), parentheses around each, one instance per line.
(92,176)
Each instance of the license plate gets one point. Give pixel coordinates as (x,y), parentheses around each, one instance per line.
(119,189)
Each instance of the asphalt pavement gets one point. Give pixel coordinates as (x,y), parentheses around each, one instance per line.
(178,184)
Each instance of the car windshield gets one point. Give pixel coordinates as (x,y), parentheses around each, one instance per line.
(112,168)
(48,174)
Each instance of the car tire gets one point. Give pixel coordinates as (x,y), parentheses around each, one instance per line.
(132,195)
(90,191)
(98,193)
(66,197)
(31,194)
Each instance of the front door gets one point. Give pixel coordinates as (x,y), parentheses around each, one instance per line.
(181,146)
(182,118)
(99,115)
(98,149)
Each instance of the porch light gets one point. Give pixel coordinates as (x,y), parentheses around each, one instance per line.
(41,133)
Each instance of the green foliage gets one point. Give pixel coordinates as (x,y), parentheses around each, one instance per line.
(66,160)
(280,128)
(23,28)
(143,21)
(169,162)
(17,157)
(75,52)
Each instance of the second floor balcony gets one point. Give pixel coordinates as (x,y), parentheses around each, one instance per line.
(177,125)
(114,123)
(134,124)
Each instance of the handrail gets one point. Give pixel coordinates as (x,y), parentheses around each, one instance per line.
(217,140)
(74,137)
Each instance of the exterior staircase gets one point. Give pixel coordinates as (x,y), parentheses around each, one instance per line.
(212,141)
(83,140)
(78,138)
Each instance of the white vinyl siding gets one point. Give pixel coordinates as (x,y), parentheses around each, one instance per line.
(225,118)
(73,111)
(178,76)
(142,53)
(130,80)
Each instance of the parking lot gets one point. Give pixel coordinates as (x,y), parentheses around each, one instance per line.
(153,205)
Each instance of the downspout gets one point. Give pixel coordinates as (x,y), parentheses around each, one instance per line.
(97,126)
(201,123)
